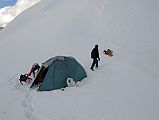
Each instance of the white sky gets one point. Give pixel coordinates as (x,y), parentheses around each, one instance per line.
(7,14)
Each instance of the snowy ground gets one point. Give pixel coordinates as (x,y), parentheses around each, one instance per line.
(125,87)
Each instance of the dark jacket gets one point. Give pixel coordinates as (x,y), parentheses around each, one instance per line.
(35,67)
(95,53)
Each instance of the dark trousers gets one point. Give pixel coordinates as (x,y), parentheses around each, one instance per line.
(95,62)
(34,69)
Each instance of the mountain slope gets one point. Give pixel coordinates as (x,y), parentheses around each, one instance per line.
(125,87)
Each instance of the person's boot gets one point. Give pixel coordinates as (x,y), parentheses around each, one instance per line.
(92,69)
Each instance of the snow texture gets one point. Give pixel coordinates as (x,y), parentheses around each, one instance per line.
(124,87)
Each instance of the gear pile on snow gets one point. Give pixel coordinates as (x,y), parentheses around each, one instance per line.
(108,52)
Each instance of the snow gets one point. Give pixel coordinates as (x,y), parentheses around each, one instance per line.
(124,87)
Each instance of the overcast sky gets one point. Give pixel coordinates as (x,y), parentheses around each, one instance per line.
(8,13)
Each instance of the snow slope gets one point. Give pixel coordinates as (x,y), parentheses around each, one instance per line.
(125,87)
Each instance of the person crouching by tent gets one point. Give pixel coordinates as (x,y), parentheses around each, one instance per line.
(35,67)
(95,57)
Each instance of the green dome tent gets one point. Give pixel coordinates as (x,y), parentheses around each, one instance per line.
(55,71)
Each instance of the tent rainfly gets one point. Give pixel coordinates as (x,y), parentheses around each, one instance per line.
(54,72)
